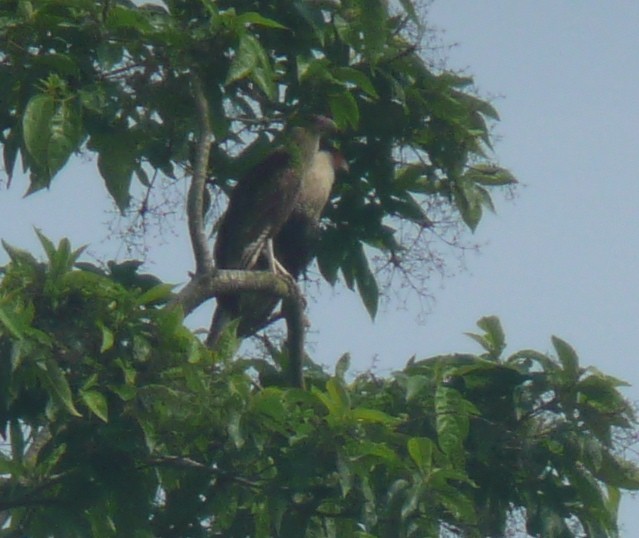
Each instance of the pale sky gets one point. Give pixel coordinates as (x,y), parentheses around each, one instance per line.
(561,259)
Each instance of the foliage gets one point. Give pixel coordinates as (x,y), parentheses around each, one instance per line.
(144,432)
(119,422)
(115,79)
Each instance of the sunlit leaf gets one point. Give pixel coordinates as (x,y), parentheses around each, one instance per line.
(245,59)
(58,383)
(108,338)
(36,127)
(421,452)
(252,17)
(97,403)
(568,358)
(357,78)
(12,323)
(344,109)
(161,292)
(373,416)
(339,399)
(65,134)
(342,366)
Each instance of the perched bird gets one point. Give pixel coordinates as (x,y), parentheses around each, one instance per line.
(259,206)
(294,245)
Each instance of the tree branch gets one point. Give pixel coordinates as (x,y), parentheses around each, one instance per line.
(293,307)
(195,199)
(203,287)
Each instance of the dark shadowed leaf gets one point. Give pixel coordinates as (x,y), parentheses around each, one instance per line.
(97,403)
(366,282)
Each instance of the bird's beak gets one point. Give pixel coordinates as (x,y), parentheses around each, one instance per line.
(325,124)
(341,163)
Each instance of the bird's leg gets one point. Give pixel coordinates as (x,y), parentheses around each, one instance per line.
(270,255)
(275,266)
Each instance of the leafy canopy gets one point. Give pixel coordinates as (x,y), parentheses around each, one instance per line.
(118,421)
(141,430)
(115,79)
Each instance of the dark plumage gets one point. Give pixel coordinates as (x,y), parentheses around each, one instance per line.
(259,206)
(295,243)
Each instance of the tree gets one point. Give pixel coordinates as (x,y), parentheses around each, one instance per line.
(119,421)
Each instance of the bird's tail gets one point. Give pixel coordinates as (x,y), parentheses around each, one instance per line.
(221,318)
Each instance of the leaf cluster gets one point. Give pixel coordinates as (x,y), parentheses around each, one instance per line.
(121,422)
(115,79)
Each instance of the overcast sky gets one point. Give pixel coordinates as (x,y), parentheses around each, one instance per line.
(561,259)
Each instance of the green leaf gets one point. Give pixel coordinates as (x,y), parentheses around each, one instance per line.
(618,472)
(339,398)
(57,381)
(364,414)
(107,337)
(373,17)
(344,109)
(121,17)
(342,366)
(251,60)
(47,245)
(357,78)
(420,450)
(494,341)
(568,358)
(405,206)
(17,440)
(489,175)
(415,384)
(234,428)
(36,127)
(19,256)
(263,77)
(245,59)
(97,403)
(452,422)
(12,322)
(409,8)
(330,254)
(252,17)
(366,282)
(161,292)
(116,162)
(344,473)
(468,203)
(65,134)
(10,153)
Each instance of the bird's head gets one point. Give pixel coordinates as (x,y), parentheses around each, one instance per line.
(306,132)
(314,123)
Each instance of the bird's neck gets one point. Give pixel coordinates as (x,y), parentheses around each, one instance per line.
(305,146)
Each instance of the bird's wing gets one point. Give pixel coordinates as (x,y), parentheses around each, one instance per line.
(258,206)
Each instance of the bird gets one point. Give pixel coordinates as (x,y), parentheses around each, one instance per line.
(259,205)
(295,244)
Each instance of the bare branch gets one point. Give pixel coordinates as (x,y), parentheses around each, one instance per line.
(293,308)
(203,287)
(195,200)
